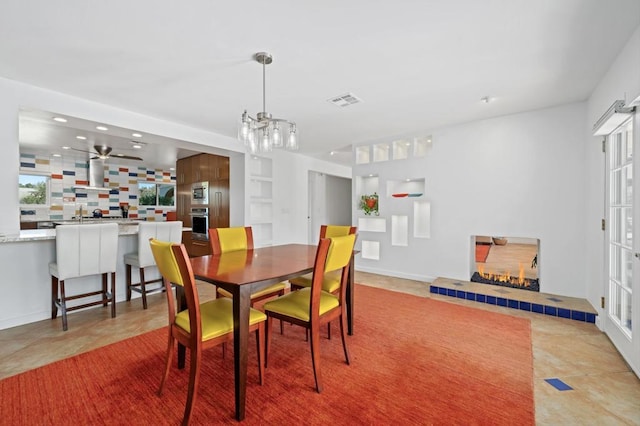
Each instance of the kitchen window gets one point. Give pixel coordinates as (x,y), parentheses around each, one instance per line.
(33,190)
(156,194)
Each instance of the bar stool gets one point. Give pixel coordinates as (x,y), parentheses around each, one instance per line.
(143,258)
(83,250)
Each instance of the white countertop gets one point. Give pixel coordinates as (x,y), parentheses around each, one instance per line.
(50,234)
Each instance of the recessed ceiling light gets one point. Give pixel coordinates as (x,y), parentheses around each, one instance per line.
(136,135)
(172,168)
(103,128)
(137,146)
(82,138)
(332,153)
(57,155)
(66,147)
(60,119)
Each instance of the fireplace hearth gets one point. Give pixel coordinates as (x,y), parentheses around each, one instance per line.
(531,284)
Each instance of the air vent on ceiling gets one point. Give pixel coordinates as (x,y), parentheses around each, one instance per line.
(345,100)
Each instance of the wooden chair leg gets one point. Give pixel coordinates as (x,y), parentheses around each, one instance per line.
(167,367)
(194,378)
(105,290)
(315,356)
(143,289)
(54,297)
(63,306)
(128,278)
(343,334)
(113,295)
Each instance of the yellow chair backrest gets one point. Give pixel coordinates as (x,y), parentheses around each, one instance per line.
(233,239)
(166,261)
(340,252)
(336,231)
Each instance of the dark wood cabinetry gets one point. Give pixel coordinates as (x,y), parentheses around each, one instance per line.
(203,168)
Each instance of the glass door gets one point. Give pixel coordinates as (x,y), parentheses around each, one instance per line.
(623,305)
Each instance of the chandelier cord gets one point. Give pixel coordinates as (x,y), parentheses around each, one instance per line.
(264,86)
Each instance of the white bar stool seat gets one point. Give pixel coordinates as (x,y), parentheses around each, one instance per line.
(143,258)
(84,250)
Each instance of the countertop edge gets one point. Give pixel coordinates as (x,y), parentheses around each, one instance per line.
(50,234)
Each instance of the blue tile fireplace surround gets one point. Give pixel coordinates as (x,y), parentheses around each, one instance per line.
(524,300)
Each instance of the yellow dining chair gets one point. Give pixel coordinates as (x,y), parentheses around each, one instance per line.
(331,282)
(311,307)
(200,326)
(225,240)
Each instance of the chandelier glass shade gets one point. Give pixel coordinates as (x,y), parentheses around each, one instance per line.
(263,133)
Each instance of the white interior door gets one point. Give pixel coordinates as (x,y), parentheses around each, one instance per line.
(622,308)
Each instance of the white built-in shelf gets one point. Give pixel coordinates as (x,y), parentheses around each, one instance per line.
(381,152)
(421,145)
(370,250)
(260,171)
(411,187)
(372,224)
(399,230)
(422,219)
(260,167)
(362,154)
(401,149)
(367,185)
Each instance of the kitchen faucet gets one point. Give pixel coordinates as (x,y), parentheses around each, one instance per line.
(80,214)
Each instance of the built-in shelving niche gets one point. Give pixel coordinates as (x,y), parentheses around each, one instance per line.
(405,187)
(261,200)
(370,250)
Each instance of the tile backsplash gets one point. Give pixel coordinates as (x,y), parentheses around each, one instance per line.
(65,200)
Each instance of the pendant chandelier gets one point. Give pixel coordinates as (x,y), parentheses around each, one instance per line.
(263,133)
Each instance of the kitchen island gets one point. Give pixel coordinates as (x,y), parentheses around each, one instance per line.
(26,283)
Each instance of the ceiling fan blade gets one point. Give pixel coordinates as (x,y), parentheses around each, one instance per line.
(82,150)
(126,157)
(102,150)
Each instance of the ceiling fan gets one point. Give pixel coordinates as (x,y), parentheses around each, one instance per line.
(104,152)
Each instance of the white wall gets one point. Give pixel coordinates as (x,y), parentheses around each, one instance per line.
(520,175)
(622,81)
(290,193)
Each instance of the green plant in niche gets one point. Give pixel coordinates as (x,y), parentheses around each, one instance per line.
(369,204)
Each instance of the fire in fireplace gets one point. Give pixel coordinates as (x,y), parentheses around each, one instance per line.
(506,279)
(506,261)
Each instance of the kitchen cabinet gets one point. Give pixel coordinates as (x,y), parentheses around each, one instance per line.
(219,204)
(218,167)
(203,168)
(183,171)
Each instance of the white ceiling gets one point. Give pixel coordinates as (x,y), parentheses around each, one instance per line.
(416,65)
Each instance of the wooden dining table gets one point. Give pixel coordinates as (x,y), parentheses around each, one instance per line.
(246,271)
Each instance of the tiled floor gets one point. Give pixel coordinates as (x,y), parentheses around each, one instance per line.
(605,391)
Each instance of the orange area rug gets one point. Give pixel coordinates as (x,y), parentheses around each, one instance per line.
(414,361)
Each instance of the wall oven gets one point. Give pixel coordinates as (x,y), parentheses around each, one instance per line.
(200,193)
(200,223)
